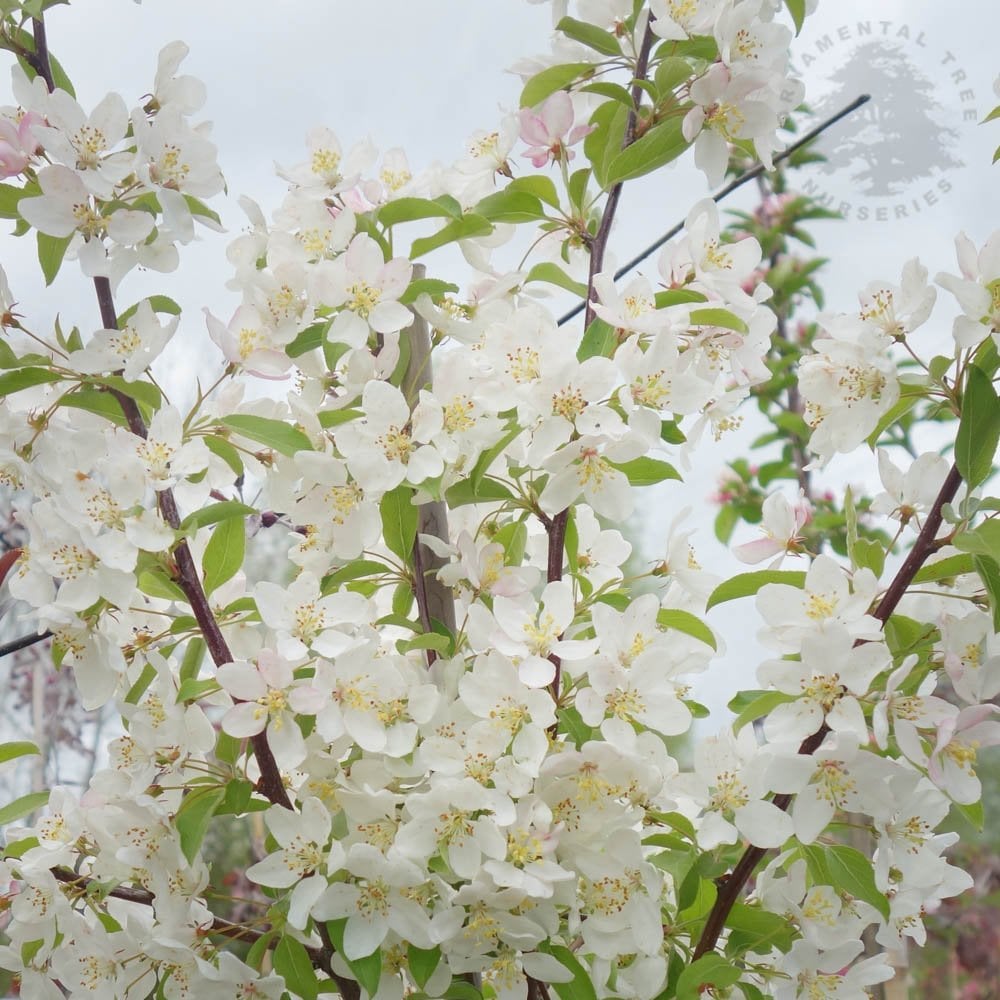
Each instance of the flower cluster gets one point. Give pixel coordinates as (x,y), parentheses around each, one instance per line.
(444,691)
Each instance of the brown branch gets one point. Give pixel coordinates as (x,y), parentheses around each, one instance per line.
(40,62)
(144,897)
(925,545)
(187,577)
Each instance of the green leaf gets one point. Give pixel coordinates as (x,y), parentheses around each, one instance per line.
(647,471)
(239,793)
(422,962)
(589,35)
(657,147)
(309,339)
(486,491)
(144,393)
(223,449)
(19,748)
(571,723)
(755,929)
(428,640)
(580,986)
(551,79)
(539,185)
(555,275)
(510,206)
(869,554)
(293,964)
(158,303)
(708,971)
(604,142)
(763,704)
(194,816)
(613,90)
(979,428)
(726,521)
(51,251)
(460,229)
(797,8)
(973,814)
(676,297)
(215,512)
(399,521)
(577,186)
(23,806)
(192,689)
(352,571)
(684,621)
(434,287)
(989,572)
(717,317)
(983,540)
(9,197)
(599,341)
(224,553)
(197,207)
(273,434)
(847,870)
(891,417)
(670,74)
(26,378)
(410,209)
(746,584)
(368,970)
(944,569)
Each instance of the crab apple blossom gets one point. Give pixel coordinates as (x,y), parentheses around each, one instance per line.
(550,130)
(383,700)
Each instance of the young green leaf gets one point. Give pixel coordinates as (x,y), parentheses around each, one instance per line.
(399,521)
(747,584)
(551,79)
(273,434)
(224,553)
(194,816)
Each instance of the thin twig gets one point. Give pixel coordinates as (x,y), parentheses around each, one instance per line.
(23,643)
(736,182)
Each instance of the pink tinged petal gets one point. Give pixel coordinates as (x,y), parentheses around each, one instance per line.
(244,720)
(307,700)
(275,672)
(533,129)
(764,824)
(395,277)
(557,114)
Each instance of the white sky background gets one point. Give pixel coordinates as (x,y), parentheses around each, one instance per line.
(423,75)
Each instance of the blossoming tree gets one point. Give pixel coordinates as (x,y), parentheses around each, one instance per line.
(452,720)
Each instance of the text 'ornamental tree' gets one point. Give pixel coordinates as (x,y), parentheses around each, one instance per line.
(446,713)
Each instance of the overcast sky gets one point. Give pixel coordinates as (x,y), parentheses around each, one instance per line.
(424,74)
